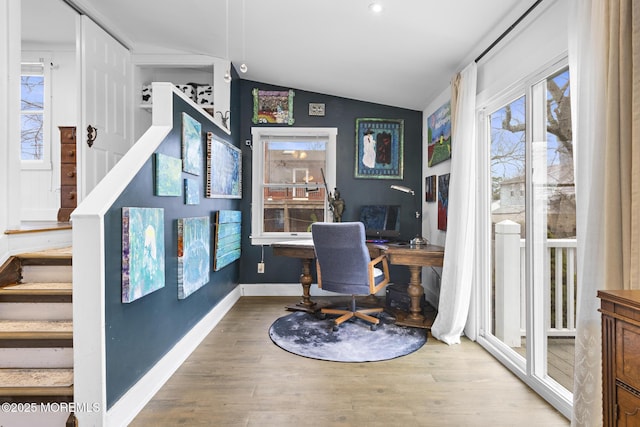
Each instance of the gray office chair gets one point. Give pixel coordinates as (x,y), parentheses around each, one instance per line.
(345,266)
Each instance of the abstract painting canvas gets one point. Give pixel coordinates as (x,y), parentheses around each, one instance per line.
(168,175)
(224,169)
(191,192)
(142,252)
(194,237)
(443,201)
(191,145)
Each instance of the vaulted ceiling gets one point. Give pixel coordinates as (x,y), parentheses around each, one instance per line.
(404,56)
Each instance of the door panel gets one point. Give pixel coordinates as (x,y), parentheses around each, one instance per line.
(106,103)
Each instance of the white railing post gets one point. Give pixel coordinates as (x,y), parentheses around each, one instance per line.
(507,279)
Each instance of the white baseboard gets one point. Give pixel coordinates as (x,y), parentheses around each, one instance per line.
(284,290)
(135,399)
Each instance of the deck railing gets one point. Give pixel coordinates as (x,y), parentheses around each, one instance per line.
(510,280)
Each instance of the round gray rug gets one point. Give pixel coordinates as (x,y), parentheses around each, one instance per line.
(304,334)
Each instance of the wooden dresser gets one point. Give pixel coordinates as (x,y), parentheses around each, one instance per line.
(620,357)
(68,175)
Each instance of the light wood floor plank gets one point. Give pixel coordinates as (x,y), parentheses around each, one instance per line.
(238,377)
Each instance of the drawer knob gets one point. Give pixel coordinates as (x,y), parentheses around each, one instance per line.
(72,153)
(71,174)
(72,195)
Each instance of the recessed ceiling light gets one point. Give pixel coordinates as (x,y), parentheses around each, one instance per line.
(375,7)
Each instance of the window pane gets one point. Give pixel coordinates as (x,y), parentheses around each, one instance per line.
(31,141)
(508,147)
(294,195)
(32,93)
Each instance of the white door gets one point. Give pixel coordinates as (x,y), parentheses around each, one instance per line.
(105,133)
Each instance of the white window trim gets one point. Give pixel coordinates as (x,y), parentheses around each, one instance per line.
(259,134)
(45,163)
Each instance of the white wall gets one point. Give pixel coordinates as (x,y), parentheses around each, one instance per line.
(40,188)
(540,39)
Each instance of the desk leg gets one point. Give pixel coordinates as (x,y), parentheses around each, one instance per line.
(415,290)
(305,280)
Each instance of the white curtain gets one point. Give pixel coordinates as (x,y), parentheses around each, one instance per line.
(457,271)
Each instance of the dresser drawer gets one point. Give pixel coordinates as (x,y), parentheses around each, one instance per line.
(628,354)
(68,174)
(68,153)
(67,135)
(68,197)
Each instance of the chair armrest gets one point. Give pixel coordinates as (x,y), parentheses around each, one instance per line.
(382,259)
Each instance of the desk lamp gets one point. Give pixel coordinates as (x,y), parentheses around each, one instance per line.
(418,240)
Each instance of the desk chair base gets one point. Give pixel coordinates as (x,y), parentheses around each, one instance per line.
(354,312)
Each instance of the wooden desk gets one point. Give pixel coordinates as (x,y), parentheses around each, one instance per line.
(414,258)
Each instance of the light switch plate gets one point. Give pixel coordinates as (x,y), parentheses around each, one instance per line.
(316,109)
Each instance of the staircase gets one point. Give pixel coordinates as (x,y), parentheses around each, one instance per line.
(36,336)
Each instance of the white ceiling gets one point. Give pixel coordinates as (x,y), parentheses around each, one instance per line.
(403,57)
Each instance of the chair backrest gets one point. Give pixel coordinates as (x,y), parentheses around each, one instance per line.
(342,255)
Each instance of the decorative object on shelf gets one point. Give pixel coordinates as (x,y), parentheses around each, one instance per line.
(168,175)
(443,201)
(379,148)
(204,95)
(227,238)
(191,145)
(224,169)
(225,118)
(142,252)
(439,135)
(194,237)
(191,192)
(418,240)
(188,90)
(430,189)
(146,94)
(273,106)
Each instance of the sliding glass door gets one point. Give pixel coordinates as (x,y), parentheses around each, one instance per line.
(530,286)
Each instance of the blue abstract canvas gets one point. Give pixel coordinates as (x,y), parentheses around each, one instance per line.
(191,145)
(168,175)
(194,237)
(142,252)
(191,192)
(224,169)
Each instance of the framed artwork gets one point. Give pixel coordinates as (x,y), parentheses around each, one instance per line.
(224,169)
(191,192)
(430,186)
(439,135)
(194,237)
(443,201)
(142,252)
(168,176)
(379,148)
(227,238)
(273,106)
(191,145)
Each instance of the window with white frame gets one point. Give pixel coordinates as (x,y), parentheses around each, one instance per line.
(35,152)
(292,170)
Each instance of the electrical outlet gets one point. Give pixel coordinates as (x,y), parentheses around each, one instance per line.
(261,267)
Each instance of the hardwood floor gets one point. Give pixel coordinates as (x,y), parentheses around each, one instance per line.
(238,377)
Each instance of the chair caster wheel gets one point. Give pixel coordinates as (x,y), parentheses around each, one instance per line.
(335,327)
(373,327)
(321,316)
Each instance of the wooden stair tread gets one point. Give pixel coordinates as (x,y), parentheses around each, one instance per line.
(65,252)
(38,288)
(36,329)
(36,382)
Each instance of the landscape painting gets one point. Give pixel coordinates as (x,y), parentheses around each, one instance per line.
(439,135)
(142,252)
(191,145)
(168,175)
(194,237)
